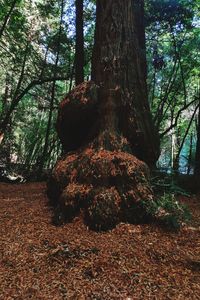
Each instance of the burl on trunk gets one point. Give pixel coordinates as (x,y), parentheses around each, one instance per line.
(105,127)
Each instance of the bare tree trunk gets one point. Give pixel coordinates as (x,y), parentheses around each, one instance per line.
(7,17)
(5,122)
(42,158)
(197,155)
(184,138)
(79,54)
(5,96)
(190,155)
(177,145)
(71,79)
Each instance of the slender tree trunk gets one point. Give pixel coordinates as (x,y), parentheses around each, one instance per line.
(5,96)
(6,120)
(4,106)
(159,113)
(42,158)
(35,154)
(177,145)
(79,54)
(190,155)
(71,79)
(7,17)
(31,153)
(184,138)
(172,150)
(197,155)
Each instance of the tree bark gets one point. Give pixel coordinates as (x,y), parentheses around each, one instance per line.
(119,62)
(79,51)
(197,155)
(106,129)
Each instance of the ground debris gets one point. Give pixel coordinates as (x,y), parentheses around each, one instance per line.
(42,261)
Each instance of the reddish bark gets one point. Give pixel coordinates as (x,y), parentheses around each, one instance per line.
(108,185)
(107,124)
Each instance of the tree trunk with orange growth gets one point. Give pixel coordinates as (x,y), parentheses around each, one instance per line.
(105,127)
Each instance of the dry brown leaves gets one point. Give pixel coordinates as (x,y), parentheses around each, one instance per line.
(41,261)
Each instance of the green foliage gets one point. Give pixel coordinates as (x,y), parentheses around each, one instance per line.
(166,206)
(172,38)
(172,35)
(28,49)
(164,11)
(168,210)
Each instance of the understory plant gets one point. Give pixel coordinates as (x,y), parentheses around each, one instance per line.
(168,210)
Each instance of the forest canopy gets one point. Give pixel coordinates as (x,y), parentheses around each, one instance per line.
(37,59)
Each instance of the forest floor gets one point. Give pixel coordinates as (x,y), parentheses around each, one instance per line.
(41,261)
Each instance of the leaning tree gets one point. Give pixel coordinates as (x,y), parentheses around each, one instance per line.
(105,127)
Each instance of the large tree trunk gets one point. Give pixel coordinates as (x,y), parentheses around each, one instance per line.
(105,127)
(119,62)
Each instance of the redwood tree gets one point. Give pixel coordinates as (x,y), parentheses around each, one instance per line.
(105,127)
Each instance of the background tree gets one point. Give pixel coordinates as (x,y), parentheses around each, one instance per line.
(53,89)
(7,16)
(34,29)
(79,53)
(197,154)
(172,41)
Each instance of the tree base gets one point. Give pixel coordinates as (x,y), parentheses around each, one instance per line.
(108,186)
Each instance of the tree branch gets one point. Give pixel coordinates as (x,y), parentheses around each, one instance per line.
(7,17)
(176,119)
(32,84)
